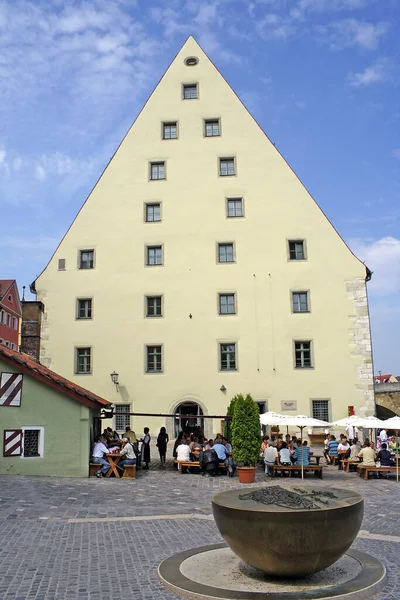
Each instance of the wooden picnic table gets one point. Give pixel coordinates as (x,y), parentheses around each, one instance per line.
(113,458)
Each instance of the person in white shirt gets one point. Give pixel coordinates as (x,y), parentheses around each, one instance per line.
(98,454)
(284,455)
(343,451)
(183,453)
(270,457)
(383,436)
(352,432)
(128,453)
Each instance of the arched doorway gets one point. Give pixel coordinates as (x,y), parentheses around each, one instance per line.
(193,418)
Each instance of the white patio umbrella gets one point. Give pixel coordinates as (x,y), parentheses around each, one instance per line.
(271,418)
(369,423)
(302,421)
(346,421)
(394,423)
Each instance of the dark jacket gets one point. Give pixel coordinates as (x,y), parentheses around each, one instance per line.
(208,460)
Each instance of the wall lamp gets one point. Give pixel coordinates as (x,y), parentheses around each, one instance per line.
(114,378)
(222,388)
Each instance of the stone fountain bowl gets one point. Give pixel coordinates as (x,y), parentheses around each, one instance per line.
(289,531)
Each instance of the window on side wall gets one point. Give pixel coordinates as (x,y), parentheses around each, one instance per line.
(122,416)
(33,442)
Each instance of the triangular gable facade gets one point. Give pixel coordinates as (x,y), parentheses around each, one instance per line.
(9,296)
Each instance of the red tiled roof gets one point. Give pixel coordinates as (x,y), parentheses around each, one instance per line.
(383,378)
(48,377)
(5,285)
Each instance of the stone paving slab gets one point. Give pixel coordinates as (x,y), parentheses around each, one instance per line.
(90,539)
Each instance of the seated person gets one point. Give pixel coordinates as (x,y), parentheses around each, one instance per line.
(343,450)
(384,456)
(128,454)
(183,452)
(227,445)
(99,456)
(131,435)
(301,455)
(195,446)
(367,455)
(270,457)
(208,444)
(354,451)
(284,455)
(220,449)
(332,448)
(208,461)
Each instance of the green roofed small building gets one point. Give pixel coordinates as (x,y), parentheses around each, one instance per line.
(47,423)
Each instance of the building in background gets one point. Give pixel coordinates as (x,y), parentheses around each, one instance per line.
(10,314)
(200,267)
(47,423)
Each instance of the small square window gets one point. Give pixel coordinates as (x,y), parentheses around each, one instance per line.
(154,255)
(320,410)
(226,167)
(122,417)
(84,309)
(86,259)
(170,131)
(157,170)
(297,250)
(300,302)
(83,361)
(227,357)
(227,304)
(153,359)
(153,306)
(190,91)
(225,253)
(31,442)
(211,128)
(153,212)
(303,355)
(234,207)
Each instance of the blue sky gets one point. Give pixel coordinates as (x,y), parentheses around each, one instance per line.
(320,76)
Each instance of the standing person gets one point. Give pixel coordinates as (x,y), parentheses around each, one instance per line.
(162,441)
(145,450)
(131,435)
(98,456)
(352,433)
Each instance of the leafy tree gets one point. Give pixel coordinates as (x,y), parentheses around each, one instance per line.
(245,430)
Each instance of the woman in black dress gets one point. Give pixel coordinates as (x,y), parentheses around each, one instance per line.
(145,451)
(162,441)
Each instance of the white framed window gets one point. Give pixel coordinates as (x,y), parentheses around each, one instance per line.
(7,343)
(190,91)
(227,167)
(86,259)
(227,357)
(152,212)
(32,442)
(157,170)
(83,361)
(212,128)
(234,207)
(154,255)
(14,323)
(153,306)
(8,320)
(226,252)
(170,131)
(303,355)
(84,308)
(226,304)
(13,346)
(154,359)
(300,303)
(320,410)
(297,249)
(61,264)
(122,416)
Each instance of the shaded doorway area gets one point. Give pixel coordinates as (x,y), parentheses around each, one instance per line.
(188,423)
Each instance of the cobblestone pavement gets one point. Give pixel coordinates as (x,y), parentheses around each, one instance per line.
(91,539)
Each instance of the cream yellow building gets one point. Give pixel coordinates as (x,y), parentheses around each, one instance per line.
(200,267)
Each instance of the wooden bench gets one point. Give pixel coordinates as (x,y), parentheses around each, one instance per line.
(316,468)
(129,472)
(364,470)
(93,468)
(333,459)
(193,463)
(347,463)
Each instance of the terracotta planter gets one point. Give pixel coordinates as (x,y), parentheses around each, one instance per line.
(246,474)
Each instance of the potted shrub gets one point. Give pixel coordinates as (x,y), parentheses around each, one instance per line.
(227,427)
(246,436)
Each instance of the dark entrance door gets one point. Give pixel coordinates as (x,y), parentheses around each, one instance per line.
(188,423)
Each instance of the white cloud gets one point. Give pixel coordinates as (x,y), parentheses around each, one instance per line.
(40,173)
(351,32)
(383,258)
(376,73)
(61,164)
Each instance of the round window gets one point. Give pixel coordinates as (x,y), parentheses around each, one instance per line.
(191,61)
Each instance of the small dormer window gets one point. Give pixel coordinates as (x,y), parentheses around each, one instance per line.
(9,298)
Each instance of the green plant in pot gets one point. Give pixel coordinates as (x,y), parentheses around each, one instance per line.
(245,436)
